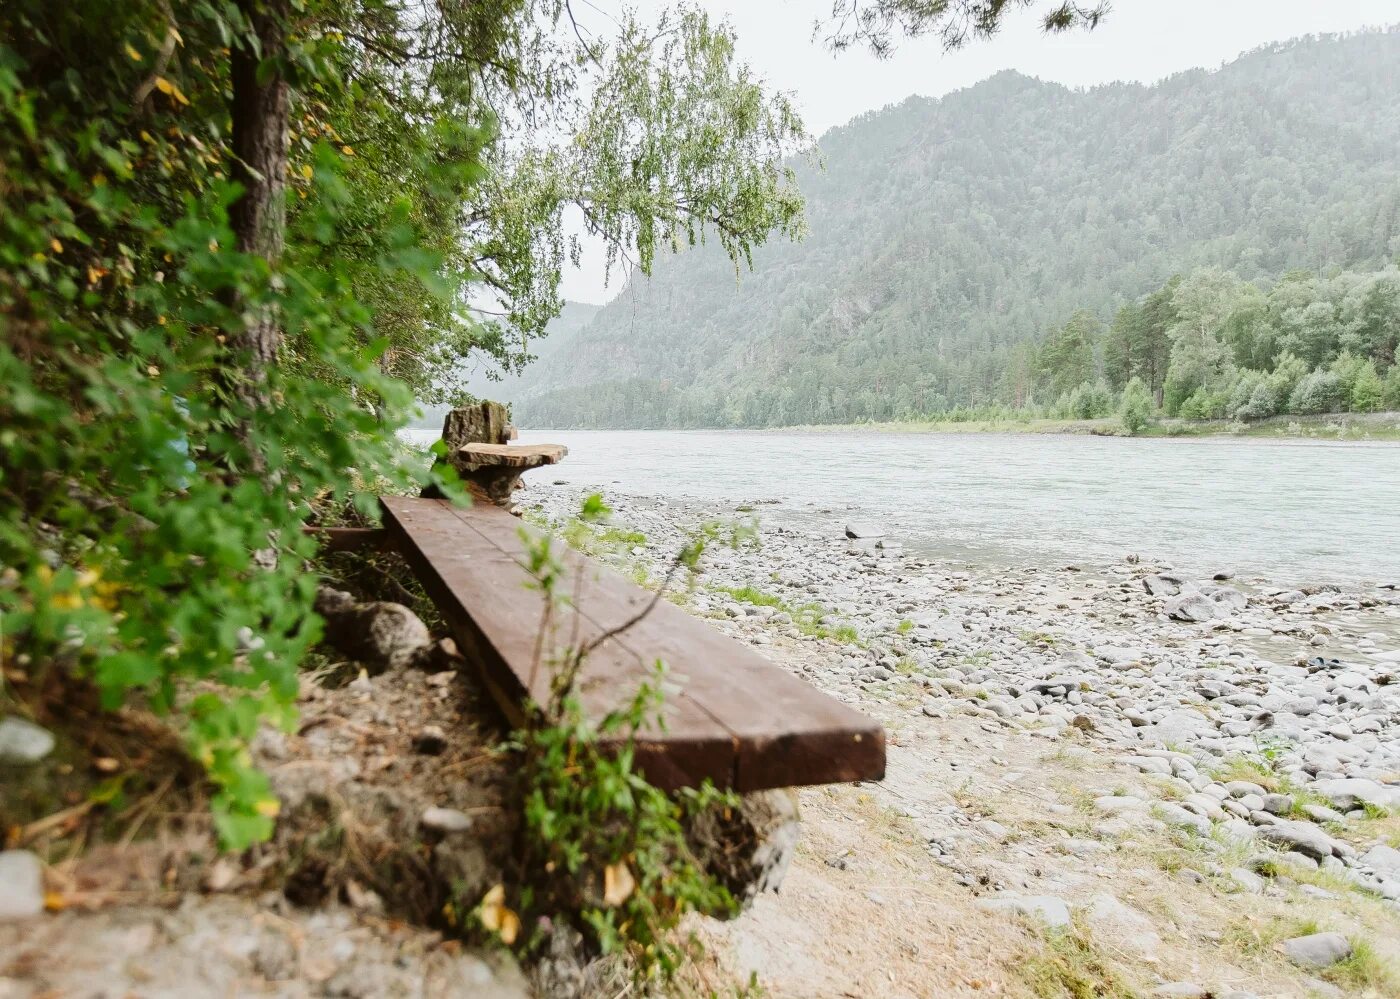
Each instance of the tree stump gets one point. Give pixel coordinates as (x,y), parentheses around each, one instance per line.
(484,423)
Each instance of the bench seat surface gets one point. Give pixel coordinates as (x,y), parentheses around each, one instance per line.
(729,715)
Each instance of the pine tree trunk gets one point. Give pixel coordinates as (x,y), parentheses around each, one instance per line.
(260,111)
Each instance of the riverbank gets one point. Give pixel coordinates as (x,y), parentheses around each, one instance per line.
(1333,426)
(1176,799)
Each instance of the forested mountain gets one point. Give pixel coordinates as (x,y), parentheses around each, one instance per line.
(949,237)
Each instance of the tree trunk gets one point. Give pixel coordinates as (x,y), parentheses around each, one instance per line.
(260,111)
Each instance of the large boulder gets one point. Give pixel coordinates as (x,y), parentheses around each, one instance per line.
(1347,793)
(1164,585)
(1300,837)
(1192,606)
(378,634)
(1317,950)
(860,530)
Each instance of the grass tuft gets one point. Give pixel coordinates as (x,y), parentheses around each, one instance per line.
(1070,966)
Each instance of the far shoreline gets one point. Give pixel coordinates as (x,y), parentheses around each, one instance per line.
(1342,427)
(1327,428)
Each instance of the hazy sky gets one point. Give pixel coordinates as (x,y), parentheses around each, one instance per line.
(1141,40)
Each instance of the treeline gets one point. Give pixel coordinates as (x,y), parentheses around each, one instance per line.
(1208,345)
(1205,345)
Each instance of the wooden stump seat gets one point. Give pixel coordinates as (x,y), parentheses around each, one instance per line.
(491,471)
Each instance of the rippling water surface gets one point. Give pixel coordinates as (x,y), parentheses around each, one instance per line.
(1291,511)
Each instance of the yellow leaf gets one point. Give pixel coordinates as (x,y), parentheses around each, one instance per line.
(56,246)
(510,927)
(170,90)
(306,170)
(54,902)
(268,808)
(618,884)
(135,56)
(347,150)
(497,918)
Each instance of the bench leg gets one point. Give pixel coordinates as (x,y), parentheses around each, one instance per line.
(749,849)
(492,484)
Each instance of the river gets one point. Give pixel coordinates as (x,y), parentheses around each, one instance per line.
(1288,511)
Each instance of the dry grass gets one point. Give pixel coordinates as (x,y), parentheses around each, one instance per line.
(1068,965)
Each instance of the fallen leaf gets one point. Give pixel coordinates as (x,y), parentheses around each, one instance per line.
(618,884)
(497,917)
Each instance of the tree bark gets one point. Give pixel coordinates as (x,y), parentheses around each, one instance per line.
(260,112)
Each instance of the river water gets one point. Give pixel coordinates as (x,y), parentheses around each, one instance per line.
(1288,511)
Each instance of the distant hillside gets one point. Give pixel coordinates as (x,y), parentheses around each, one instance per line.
(558,337)
(946,235)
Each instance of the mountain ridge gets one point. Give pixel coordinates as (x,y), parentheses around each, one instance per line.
(946,234)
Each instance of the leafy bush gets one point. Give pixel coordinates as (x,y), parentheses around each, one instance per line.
(1348,368)
(1367,390)
(1318,392)
(604,849)
(1204,404)
(1136,407)
(600,848)
(1390,396)
(150,506)
(1091,401)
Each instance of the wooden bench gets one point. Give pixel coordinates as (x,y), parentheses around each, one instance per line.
(729,715)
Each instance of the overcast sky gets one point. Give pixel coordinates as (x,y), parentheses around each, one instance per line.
(1141,40)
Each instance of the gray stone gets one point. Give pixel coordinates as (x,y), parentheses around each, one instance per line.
(446,820)
(1351,792)
(1052,911)
(1193,607)
(1114,803)
(1239,788)
(1125,926)
(1182,990)
(1119,654)
(1175,815)
(1247,880)
(21,885)
(1300,837)
(862,529)
(1321,813)
(1227,601)
(1317,950)
(1163,585)
(1278,804)
(23,742)
(1382,858)
(430,740)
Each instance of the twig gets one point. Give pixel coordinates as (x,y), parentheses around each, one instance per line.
(40,826)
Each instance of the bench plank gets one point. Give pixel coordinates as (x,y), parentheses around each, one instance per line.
(495,617)
(732,716)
